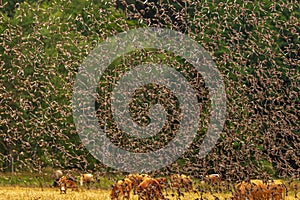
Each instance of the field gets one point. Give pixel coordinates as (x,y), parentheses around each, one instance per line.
(32,186)
(27,193)
(54,194)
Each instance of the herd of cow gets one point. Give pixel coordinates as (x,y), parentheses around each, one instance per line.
(64,182)
(149,188)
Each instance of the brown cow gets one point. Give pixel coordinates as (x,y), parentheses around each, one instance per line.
(257,190)
(277,189)
(121,189)
(136,180)
(181,181)
(150,189)
(242,191)
(65,183)
(163,182)
(213,179)
(272,190)
(257,182)
(249,190)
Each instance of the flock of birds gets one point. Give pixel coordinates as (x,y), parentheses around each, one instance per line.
(260,137)
(177,185)
(261,131)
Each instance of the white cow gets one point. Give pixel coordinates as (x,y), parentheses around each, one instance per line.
(57,174)
(86,178)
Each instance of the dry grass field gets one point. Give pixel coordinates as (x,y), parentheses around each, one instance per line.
(27,193)
(30,186)
(20,193)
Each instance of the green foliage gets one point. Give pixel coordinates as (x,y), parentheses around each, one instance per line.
(42,47)
(254,44)
(8,6)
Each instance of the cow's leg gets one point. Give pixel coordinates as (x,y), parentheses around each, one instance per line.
(127,194)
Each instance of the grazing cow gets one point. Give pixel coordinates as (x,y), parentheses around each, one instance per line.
(57,174)
(65,183)
(136,180)
(86,178)
(257,182)
(56,183)
(121,189)
(243,190)
(63,188)
(213,179)
(278,189)
(150,189)
(273,190)
(181,181)
(163,182)
(257,190)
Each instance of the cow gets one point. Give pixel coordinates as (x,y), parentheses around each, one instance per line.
(150,189)
(65,183)
(57,174)
(86,178)
(63,188)
(273,190)
(257,182)
(56,183)
(241,190)
(278,189)
(257,190)
(163,182)
(121,189)
(250,190)
(181,182)
(213,179)
(136,180)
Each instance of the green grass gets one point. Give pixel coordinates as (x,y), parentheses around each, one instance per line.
(27,179)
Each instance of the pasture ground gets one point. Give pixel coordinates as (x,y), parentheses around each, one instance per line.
(31,186)
(32,193)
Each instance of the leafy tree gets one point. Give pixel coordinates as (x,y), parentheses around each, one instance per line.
(42,47)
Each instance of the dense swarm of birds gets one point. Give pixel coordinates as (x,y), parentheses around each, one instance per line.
(255,46)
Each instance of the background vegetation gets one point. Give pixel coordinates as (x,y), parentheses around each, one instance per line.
(254,44)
